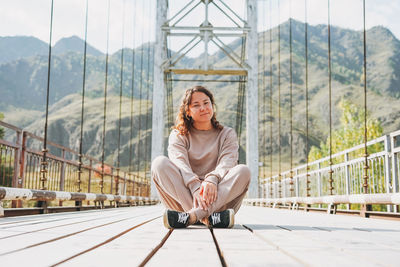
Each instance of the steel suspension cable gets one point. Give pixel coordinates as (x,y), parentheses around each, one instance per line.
(120,98)
(291,97)
(330,102)
(44,163)
(151,100)
(168,85)
(264,90)
(241,97)
(260,99)
(270,96)
(279,102)
(147,97)
(83,101)
(366,167)
(105,101)
(306,84)
(140,101)
(132,90)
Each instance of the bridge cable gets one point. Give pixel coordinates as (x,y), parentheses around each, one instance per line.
(44,163)
(241,97)
(146,154)
(264,90)
(105,101)
(83,101)
(260,93)
(279,102)
(306,84)
(120,98)
(151,118)
(130,168)
(140,100)
(366,167)
(169,100)
(270,96)
(330,102)
(291,97)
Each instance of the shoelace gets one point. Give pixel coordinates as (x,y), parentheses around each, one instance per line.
(216,218)
(183,217)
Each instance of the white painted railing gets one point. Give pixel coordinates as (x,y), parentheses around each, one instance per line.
(348,172)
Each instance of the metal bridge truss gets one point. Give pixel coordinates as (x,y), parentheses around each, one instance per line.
(245,66)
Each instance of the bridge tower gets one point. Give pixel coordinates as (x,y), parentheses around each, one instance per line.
(246,67)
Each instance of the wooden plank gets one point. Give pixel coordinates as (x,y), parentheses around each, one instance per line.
(51,216)
(305,236)
(373,245)
(130,249)
(193,246)
(8,231)
(50,253)
(241,248)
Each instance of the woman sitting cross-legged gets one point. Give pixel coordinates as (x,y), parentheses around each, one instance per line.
(200,180)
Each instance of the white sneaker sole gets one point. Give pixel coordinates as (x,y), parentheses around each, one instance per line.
(165,220)
(231,218)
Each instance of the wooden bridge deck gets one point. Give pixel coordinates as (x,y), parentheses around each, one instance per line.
(261,237)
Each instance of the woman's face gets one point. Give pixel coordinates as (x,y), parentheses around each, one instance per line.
(200,108)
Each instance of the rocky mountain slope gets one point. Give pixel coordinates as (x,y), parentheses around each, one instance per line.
(23,83)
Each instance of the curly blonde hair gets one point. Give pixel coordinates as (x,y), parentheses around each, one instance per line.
(183,122)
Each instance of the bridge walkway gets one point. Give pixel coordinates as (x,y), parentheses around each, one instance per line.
(134,236)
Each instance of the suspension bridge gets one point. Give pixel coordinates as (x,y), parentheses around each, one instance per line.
(294,211)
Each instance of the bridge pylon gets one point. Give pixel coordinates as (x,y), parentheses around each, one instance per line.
(245,66)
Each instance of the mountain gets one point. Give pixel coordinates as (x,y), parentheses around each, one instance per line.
(74,44)
(19,47)
(23,83)
(16,47)
(64,127)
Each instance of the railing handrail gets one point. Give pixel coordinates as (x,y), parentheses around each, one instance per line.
(12,127)
(341,153)
(66,149)
(338,165)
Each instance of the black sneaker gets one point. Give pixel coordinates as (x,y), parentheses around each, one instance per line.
(176,219)
(222,219)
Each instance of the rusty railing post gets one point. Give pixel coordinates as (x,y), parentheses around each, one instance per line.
(90,174)
(62,174)
(112,179)
(124,188)
(14,182)
(62,171)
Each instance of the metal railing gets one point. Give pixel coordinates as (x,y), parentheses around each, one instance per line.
(20,161)
(348,168)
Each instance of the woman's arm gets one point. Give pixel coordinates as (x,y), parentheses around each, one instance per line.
(177,153)
(227,158)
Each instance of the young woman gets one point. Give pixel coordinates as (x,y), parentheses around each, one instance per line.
(200,181)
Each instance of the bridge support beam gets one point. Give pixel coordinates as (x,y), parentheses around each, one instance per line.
(252,99)
(157,139)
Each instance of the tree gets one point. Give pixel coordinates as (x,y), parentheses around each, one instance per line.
(351,132)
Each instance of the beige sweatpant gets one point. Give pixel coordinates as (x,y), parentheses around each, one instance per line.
(175,195)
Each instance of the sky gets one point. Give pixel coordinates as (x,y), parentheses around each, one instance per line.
(132,22)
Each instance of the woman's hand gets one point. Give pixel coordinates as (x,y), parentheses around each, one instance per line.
(198,201)
(208,192)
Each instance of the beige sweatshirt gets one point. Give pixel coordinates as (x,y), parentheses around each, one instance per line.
(204,155)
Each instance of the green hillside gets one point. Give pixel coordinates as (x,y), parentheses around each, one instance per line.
(23,83)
